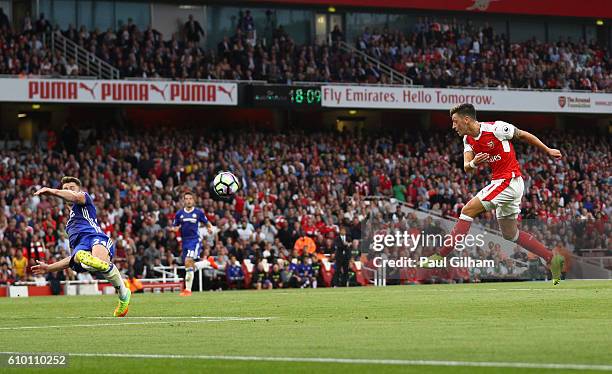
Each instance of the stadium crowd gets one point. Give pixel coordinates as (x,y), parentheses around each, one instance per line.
(296,185)
(434,54)
(25,53)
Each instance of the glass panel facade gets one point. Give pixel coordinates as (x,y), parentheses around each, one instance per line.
(84,14)
(557,30)
(140,13)
(95,14)
(296,23)
(64,13)
(521,30)
(223,20)
(105,14)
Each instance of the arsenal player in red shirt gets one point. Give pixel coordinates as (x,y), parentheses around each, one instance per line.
(490,142)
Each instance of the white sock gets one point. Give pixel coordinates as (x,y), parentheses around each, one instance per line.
(314,283)
(188,279)
(114,276)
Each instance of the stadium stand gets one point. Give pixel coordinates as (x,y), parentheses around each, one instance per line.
(564,203)
(292,180)
(433,54)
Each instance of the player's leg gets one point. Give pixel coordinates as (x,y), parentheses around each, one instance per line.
(99,260)
(477,205)
(96,257)
(189,274)
(508,209)
(509,228)
(114,277)
(191,252)
(471,210)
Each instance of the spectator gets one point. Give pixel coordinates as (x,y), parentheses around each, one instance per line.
(4,20)
(276,277)
(246,23)
(20,264)
(6,275)
(342,258)
(42,25)
(193,30)
(27,24)
(337,35)
(261,278)
(235,276)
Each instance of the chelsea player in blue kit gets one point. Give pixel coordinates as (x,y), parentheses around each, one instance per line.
(188,219)
(92,249)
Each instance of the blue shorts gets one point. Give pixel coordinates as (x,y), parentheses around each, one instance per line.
(86,244)
(191,248)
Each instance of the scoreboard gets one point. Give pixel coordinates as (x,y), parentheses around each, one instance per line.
(284,96)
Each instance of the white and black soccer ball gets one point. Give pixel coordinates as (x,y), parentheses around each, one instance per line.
(225,184)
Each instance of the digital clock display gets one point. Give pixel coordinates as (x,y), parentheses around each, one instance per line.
(305,95)
(286,96)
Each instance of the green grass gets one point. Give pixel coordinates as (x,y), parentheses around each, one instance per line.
(509,322)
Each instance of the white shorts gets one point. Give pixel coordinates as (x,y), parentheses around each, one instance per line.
(504,195)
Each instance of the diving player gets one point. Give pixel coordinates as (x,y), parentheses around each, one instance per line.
(92,249)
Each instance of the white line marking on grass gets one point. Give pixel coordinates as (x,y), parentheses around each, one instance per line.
(529,289)
(135,323)
(360,361)
(163,317)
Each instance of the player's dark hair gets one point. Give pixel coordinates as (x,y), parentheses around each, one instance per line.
(464,109)
(185,193)
(74,180)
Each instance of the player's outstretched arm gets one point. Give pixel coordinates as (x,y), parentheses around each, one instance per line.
(43,268)
(529,138)
(67,195)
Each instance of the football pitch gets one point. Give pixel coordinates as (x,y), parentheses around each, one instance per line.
(472,328)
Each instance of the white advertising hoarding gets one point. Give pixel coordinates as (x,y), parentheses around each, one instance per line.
(118,92)
(381,97)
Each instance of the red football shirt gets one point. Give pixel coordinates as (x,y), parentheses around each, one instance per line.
(494,140)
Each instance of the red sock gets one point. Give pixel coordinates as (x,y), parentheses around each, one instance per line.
(527,241)
(462,227)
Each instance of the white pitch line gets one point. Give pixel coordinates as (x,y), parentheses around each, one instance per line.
(133,323)
(165,317)
(360,361)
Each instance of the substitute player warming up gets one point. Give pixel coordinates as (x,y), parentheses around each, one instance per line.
(489,142)
(92,249)
(188,219)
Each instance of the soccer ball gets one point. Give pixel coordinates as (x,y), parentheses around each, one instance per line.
(225,184)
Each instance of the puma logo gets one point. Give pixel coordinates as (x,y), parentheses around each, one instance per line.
(88,89)
(161,92)
(228,93)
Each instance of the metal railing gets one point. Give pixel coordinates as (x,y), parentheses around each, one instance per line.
(394,75)
(88,63)
(170,273)
(558,90)
(601,261)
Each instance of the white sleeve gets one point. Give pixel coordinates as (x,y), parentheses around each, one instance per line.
(466,146)
(503,130)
